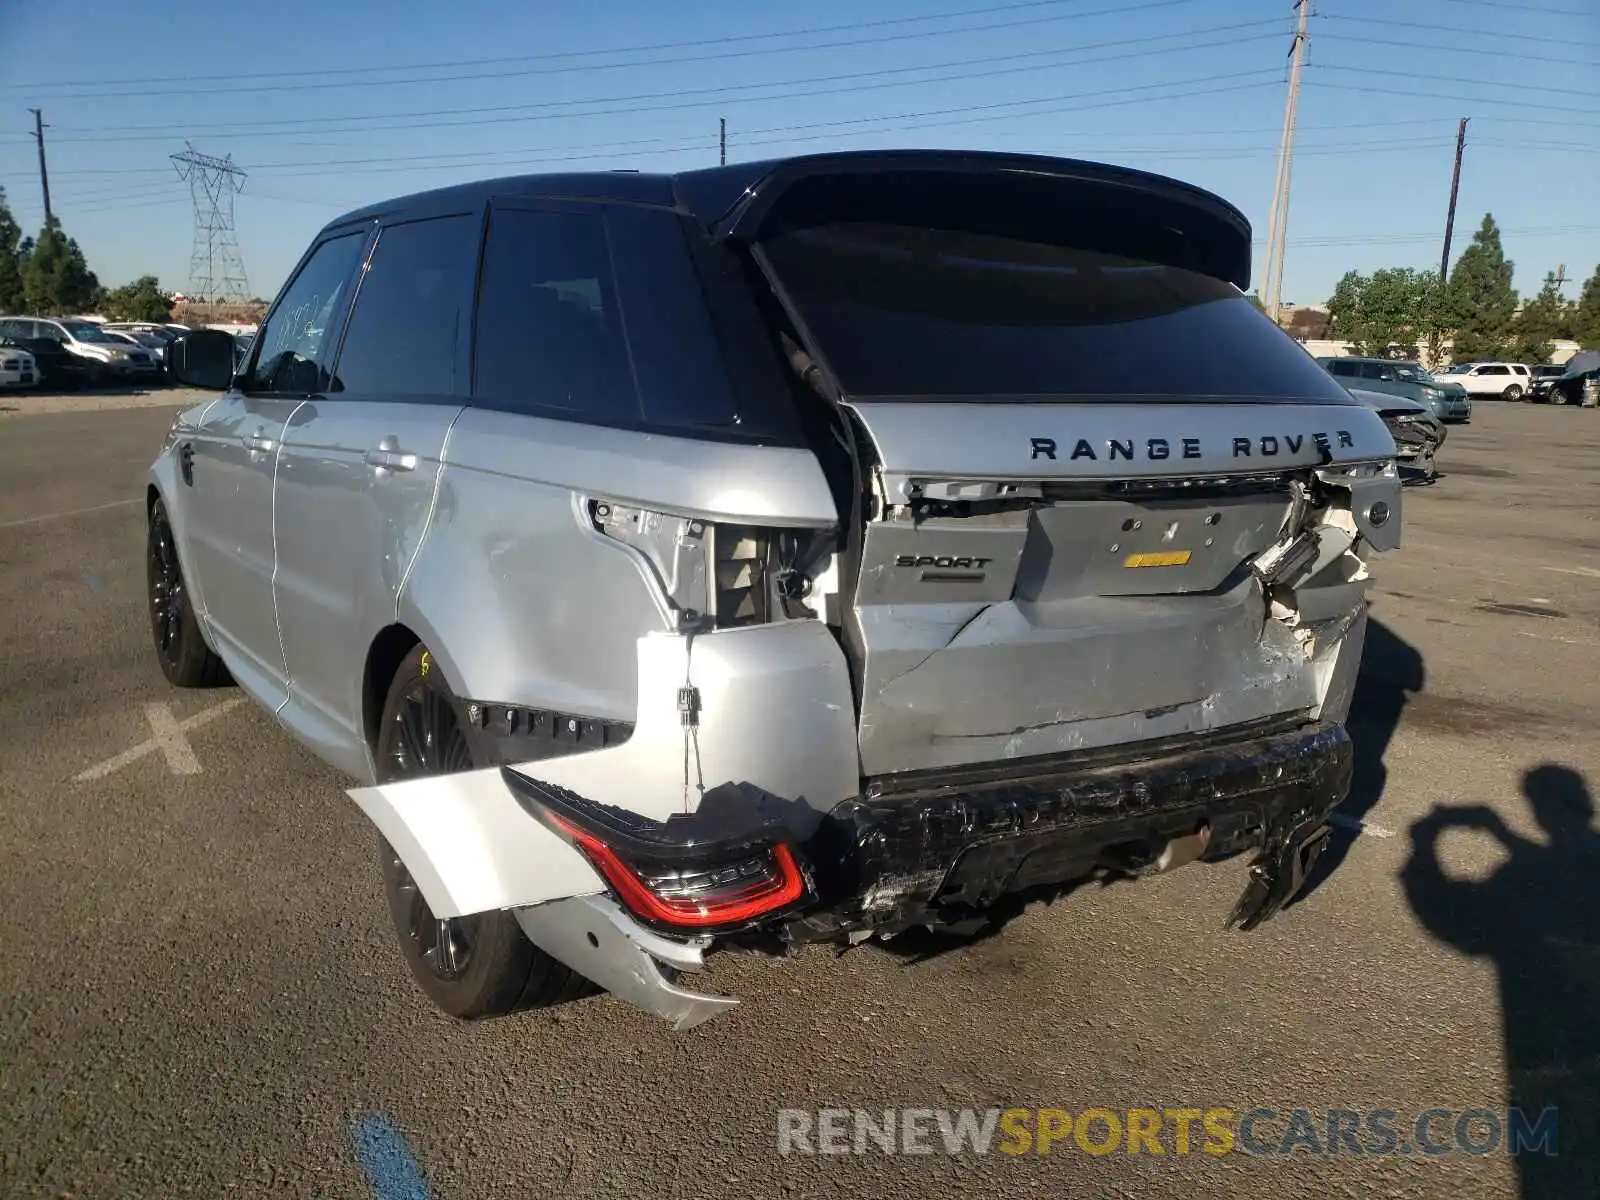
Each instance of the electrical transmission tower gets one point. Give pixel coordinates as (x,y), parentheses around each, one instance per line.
(216,272)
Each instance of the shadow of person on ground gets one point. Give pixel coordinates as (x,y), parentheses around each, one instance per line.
(1537,918)
(1391,673)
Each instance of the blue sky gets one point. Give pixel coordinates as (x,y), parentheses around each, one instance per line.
(331,105)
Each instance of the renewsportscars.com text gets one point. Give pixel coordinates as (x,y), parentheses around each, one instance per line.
(1259,1131)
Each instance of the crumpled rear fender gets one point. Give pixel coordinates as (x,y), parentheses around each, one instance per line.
(774,711)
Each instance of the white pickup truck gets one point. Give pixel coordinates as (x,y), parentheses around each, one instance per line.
(1509,381)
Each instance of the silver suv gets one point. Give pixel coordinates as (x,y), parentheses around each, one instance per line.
(794,551)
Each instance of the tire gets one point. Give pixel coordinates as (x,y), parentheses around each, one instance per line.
(1512,393)
(470,967)
(181,649)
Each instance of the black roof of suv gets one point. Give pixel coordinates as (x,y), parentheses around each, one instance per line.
(1178,223)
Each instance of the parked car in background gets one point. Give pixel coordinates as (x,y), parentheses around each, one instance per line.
(116,359)
(1541,377)
(58,366)
(148,333)
(1417,431)
(1578,372)
(17,366)
(1509,381)
(155,348)
(1408,379)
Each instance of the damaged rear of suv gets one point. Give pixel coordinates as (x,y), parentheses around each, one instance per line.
(828,547)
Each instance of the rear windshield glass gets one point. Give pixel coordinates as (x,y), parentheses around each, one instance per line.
(934,314)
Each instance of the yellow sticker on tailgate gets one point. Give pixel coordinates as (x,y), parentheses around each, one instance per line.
(1157,558)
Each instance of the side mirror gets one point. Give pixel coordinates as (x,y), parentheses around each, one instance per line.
(204,359)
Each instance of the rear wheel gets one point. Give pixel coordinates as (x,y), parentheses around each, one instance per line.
(471,967)
(185,658)
(1514,392)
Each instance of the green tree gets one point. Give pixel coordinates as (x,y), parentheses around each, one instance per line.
(1586,321)
(1390,312)
(11,295)
(55,277)
(1481,302)
(1537,324)
(1345,304)
(141,300)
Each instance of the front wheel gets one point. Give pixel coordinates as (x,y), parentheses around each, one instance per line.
(181,650)
(1514,392)
(472,967)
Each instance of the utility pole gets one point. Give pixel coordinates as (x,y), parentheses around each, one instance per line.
(1278,220)
(44,175)
(723,159)
(1450,215)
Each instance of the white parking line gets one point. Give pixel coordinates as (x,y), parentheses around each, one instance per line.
(169,738)
(71,512)
(1357,826)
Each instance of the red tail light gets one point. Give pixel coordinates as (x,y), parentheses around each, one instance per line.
(723,895)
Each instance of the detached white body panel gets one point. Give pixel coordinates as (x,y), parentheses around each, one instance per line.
(471,847)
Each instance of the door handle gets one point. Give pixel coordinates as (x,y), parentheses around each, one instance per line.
(258,443)
(390,458)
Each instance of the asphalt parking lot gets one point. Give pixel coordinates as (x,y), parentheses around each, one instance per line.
(199,994)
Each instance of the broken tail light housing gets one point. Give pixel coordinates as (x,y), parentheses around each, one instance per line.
(729,865)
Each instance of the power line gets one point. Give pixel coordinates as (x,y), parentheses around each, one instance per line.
(563,55)
(715,95)
(1492,34)
(1523,8)
(1420,238)
(1521,87)
(1391,44)
(1187,133)
(409,81)
(942,122)
(1378,91)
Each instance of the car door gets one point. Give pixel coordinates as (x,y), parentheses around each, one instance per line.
(358,467)
(232,459)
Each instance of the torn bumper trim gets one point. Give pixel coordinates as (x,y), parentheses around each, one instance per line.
(942,849)
(593,936)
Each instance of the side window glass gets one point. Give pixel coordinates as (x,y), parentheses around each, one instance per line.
(1346,369)
(1388,374)
(297,340)
(550,333)
(1371,370)
(677,359)
(1495,371)
(410,310)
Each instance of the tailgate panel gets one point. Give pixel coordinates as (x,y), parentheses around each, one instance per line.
(1030,589)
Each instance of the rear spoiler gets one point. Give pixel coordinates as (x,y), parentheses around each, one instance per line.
(1091,206)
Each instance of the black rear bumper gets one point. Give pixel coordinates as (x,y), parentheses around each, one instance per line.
(943,848)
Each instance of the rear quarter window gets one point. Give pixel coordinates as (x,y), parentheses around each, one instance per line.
(596,313)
